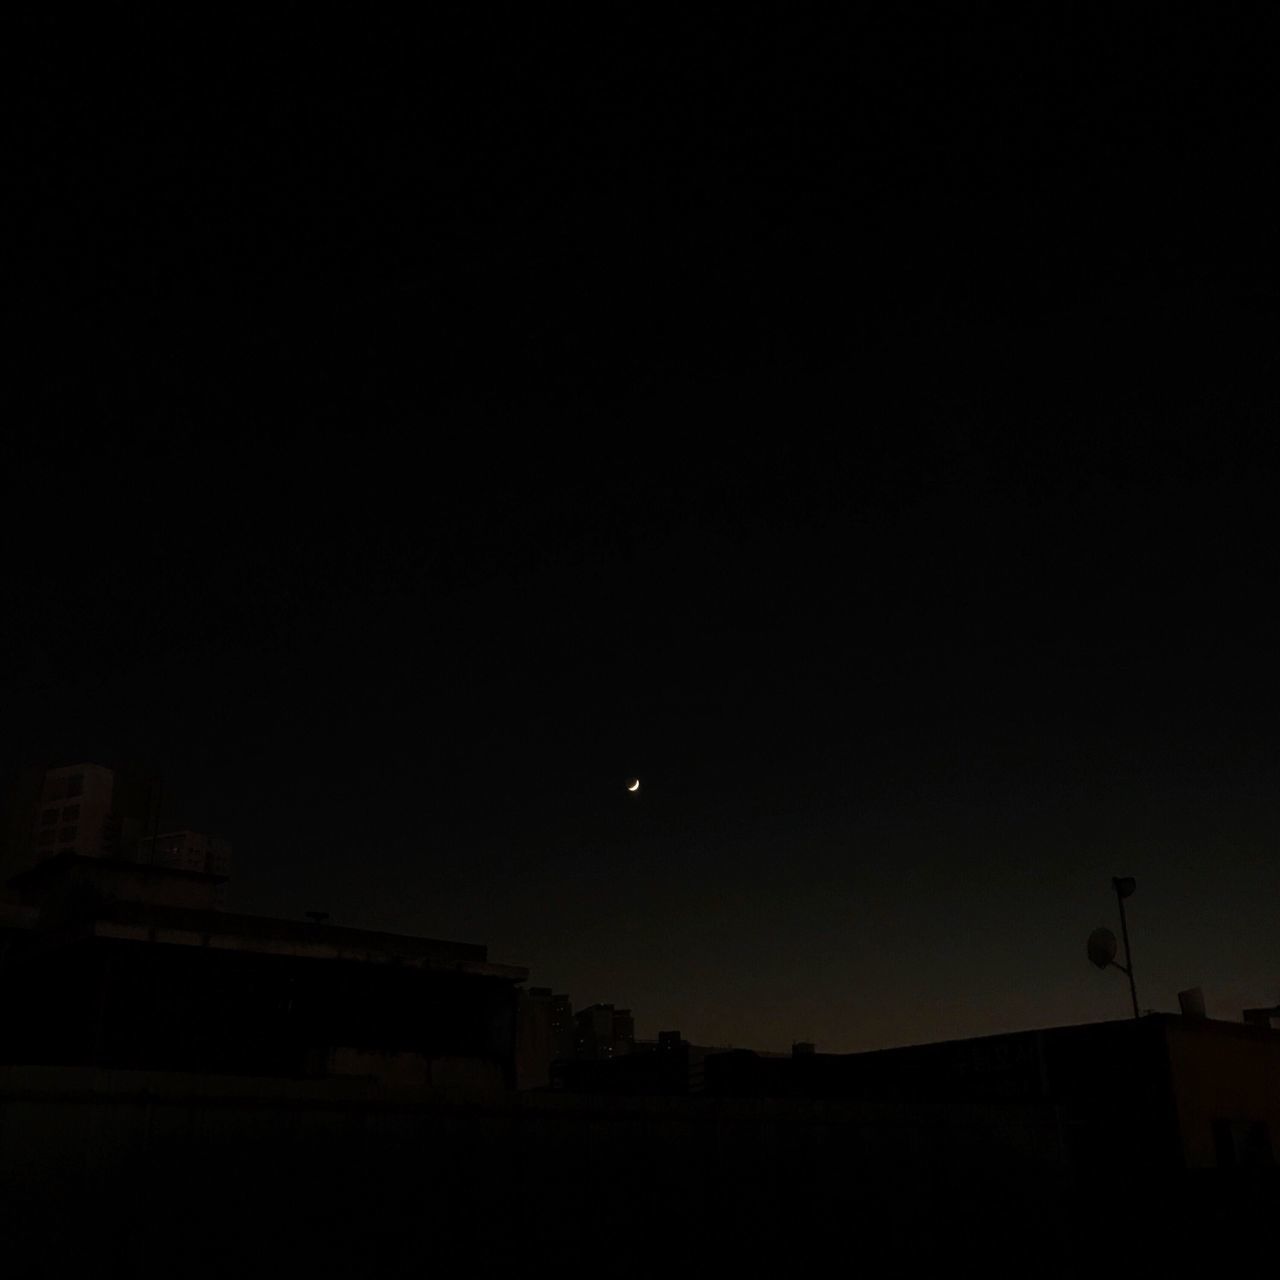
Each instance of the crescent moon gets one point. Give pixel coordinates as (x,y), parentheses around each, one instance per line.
(634,786)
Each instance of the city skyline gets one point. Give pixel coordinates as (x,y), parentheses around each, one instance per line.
(1161,962)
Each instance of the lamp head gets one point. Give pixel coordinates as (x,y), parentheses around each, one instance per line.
(1124,885)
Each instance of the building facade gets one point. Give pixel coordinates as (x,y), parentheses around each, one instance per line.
(92,811)
(603,1032)
(127,966)
(192,851)
(75,812)
(84,809)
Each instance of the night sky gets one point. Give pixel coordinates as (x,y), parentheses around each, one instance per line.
(859,428)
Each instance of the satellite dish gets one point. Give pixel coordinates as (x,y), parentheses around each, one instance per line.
(1102,947)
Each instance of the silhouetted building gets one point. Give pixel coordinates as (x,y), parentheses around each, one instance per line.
(1160,1093)
(563,1029)
(551,1036)
(70,885)
(624,1032)
(661,1069)
(669,1066)
(120,964)
(603,1032)
(1263,1017)
(1163,1091)
(535,1038)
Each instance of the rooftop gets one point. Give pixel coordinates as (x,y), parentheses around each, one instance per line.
(220,930)
(49,869)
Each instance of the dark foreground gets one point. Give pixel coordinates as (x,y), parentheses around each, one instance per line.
(136,1175)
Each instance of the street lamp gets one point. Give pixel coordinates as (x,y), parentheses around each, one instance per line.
(1102,942)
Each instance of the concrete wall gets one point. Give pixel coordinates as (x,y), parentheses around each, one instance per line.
(1227,1074)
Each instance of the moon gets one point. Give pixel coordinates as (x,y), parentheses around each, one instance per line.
(634,784)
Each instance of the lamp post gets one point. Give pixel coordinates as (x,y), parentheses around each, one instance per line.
(1102,942)
(1124,887)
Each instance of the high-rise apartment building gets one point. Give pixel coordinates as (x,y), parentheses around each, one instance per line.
(74,813)
(85,809)
(604,1032)
(91,811)
(563,1035)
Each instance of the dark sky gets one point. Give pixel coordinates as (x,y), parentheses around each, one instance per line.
(857,427)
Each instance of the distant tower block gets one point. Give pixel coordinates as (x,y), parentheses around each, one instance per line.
(83,809)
